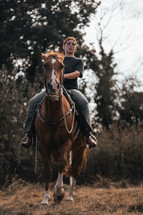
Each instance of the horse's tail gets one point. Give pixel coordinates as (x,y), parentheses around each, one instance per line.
(78,159)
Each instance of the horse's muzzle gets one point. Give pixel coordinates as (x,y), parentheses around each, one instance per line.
(50,89)
(53,90)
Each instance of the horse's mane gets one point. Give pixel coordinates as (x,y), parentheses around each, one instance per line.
(59,55)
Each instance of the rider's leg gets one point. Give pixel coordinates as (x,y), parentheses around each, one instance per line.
(82,105)
(29,123)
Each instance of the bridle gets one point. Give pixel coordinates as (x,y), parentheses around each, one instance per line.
(58,94)
(59,85)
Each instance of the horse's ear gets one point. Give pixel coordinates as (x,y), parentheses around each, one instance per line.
(43,56)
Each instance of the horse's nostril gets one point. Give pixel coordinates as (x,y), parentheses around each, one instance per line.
(52,86)
(49,86)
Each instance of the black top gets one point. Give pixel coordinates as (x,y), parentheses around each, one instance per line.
(72,64)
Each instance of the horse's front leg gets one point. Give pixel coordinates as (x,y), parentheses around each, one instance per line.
(47,175)
(46,197)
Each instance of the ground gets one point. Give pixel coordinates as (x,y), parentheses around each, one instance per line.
(22,198)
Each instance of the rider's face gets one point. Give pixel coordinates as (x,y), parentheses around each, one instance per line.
(70,46)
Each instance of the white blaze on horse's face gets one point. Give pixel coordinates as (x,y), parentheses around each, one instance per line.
(53,61)
(53,76)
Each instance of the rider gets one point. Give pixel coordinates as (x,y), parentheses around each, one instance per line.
(73,69)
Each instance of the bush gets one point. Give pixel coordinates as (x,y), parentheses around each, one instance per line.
(119,155)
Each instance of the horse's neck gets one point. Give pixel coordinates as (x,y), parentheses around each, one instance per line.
(52,107)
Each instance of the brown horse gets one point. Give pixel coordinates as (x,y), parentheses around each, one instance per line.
(54,127)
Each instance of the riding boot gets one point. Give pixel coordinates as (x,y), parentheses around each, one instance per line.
(91,140)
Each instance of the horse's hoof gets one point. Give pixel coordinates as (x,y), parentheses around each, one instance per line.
(58,199)
(69,198)
(44,202)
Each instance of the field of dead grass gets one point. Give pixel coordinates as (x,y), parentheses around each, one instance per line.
(22,198)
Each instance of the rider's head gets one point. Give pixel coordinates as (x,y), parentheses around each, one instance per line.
(70,41)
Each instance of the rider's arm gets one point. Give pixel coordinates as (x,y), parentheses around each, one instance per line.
(72,75)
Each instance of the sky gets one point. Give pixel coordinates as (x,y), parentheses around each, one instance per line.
(121,22)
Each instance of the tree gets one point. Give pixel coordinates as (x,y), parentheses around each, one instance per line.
(131,110)
(30,27)
(106,92)
(13,99)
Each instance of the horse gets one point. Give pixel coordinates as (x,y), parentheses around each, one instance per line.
(55,127)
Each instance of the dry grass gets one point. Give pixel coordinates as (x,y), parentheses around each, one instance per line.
(22,198)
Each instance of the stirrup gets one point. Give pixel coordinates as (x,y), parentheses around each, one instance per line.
(95,139)
(24,139)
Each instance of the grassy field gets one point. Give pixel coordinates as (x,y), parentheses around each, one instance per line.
(22,198)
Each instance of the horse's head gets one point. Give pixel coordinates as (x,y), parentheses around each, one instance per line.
(53,74)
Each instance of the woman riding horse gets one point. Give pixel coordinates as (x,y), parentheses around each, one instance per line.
(72,70)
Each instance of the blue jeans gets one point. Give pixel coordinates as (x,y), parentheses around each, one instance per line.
(81,104)
(32,106)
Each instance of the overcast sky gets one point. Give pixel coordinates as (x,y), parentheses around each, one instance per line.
(122,25)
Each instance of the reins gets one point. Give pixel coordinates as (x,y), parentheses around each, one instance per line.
(73,119)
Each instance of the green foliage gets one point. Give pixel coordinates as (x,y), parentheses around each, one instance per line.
(28,28)
(106,92)
(31,27)
(12,117)
(118,156)
(131,110)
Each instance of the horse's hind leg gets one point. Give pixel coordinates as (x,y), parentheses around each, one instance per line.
(61,162)
(59,189)
(76,166)
(78,160)
(72,182)
(70,193)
